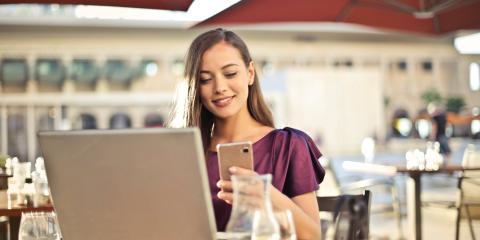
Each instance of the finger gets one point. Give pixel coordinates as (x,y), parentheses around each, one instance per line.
(241,171)
(225,185)
(226,196)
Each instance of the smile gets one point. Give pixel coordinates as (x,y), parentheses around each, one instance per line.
(223,102)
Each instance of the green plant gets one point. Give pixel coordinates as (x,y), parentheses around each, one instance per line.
(3,159)
(431,95)
(455,104)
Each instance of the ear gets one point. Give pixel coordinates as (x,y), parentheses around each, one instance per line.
(251,73)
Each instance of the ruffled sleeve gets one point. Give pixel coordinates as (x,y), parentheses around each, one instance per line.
(296,167)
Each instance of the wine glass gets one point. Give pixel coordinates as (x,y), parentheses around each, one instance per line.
(39,225)
(285,221)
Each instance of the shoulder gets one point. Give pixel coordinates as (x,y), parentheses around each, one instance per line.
(295,140)
(291,135)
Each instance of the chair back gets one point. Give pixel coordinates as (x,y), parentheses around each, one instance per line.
(469,183)
(351,214)
(471,158)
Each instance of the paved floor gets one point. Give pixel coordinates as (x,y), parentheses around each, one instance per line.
(438,222)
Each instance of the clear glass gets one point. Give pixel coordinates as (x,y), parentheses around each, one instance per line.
(39,226)
(252,214)
(287,227)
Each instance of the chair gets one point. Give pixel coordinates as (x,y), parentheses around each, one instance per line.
(351,215)
(354,183)
(468,187)
(466,193)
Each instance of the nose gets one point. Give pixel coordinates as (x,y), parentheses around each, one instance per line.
(220,85)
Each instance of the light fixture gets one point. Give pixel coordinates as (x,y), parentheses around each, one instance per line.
(474,76)
(468,44)
(424,127)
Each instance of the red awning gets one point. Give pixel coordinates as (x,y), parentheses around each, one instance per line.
(178,5)
(421,16)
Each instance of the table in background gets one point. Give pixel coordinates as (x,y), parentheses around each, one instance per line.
(414,185)
(14,214)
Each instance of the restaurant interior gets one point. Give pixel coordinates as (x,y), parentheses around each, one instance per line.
(364,79)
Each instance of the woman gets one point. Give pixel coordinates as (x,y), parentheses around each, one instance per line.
(225,102)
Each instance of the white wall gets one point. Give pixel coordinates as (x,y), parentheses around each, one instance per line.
(343,106)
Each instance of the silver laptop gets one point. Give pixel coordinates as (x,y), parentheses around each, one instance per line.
(129,184)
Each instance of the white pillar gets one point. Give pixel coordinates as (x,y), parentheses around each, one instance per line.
(32,83)
(31,133)
(102,83)
(382,128)
(57,117)
(68,84)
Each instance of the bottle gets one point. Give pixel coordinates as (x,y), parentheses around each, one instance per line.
(8,166)
(41,195)
(252,213)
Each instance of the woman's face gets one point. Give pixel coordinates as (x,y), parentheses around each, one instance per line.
(224,81)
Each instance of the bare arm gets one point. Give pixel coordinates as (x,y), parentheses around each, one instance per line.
(304,210)
(304,207)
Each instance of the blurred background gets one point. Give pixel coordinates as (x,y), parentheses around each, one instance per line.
(342,71)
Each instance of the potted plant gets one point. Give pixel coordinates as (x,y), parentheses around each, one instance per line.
(455,104)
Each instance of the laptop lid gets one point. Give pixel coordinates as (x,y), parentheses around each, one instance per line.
(129,184)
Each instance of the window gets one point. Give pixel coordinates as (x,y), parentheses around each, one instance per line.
(14,72)
(427,66)
(402,65)
(348,63)
(50,71)
(118,72)
(474,76)
(120,120)
(86,121)
(154,120)
(84,71)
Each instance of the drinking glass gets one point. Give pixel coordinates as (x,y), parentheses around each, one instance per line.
(39,226)
(285,221)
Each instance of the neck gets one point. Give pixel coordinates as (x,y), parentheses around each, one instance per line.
(235,128)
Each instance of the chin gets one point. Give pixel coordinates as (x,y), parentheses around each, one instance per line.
(224,113)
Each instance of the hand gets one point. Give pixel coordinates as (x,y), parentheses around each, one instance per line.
(225,186)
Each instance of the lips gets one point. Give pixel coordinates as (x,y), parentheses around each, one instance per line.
(223,102)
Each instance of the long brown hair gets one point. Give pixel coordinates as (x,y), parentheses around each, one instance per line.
(196,115)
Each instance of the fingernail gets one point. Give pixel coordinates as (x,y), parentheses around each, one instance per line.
(232,169)
(219,184)
(219,194)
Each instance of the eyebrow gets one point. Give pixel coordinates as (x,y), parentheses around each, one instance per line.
(226,66)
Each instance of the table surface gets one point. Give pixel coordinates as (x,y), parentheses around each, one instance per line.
(447,168)
(390,170)
(17,210)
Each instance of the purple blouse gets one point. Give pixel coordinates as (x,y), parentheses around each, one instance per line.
(290,155)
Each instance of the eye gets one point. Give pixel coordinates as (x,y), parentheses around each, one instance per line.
(230,74)
(204,80)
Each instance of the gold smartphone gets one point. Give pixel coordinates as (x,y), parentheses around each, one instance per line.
(239,154)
